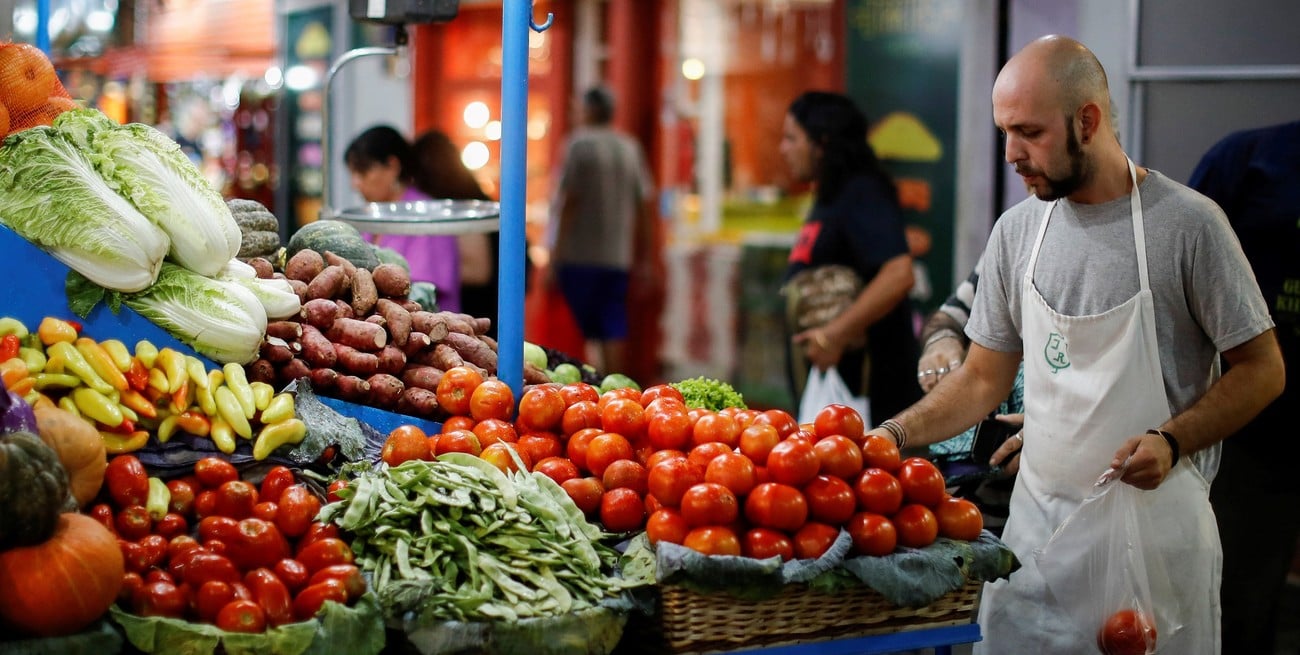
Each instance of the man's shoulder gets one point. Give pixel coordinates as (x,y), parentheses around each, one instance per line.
(1191,205)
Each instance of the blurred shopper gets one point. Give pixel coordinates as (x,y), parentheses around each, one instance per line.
(1120,288)
(384,168)
(601,224)
(855,223)
(442,175)
(1254,175)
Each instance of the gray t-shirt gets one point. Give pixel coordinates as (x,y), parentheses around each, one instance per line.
(1205,295)
(606,177)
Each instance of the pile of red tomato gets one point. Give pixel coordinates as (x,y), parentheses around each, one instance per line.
(225,551)
(734,482)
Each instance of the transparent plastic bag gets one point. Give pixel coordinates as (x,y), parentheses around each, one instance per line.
(828,388)
(1138,570)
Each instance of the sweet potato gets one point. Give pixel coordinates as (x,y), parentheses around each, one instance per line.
(424,377)
(472,350)
(364,293)
(345,308)
(263,267)
(317,350)
(416,343)
(409,305)
(489,342)
(292,370)
(329,283)
(392,360)
(392,280)
(351,387)
(534,375)
(358,334)
(356,362)
(324,379)
(455,322)
(319,313)
(276,350)
(385,390)
(261,370)
(434,325)
(398,320)
(418,402)
(304,266)
(444,357)
(300,289)
(332,259)
(287,330)
(377,320)
(481,325)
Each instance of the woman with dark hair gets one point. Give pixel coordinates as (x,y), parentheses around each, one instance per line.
(855,223)
(384,169)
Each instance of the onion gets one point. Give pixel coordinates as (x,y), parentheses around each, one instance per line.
(15,414)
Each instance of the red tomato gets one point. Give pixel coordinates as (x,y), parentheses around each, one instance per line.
(456,388)
(777,506)
(348,574)
(708,503)
(758,440)
(669,430)
(878,492)
(103,513)
(276,481)
(830,500)
(664,404)
(660,456)
(213,472)
(256,544)
(458,423)
(153,549)
(127,481)
(492,399)
(713,540)
(621,510)
(558,469)
(959,519)
(814,539)
(762,543)
(576,448)
(298,508)
(236,499)
(494,430)
(242,616)
(733,471)
(880,452)
(1127,632)
(182,497)
(210,597)
(627,393)
(872,534)
(719,428)
(745,418)
(316,532)
(916,526)
(159,575)
(586,494)
(502,455)
(705,453)
(579,416)
(458,441)
(669,480)
(266,511)
(625,474)
(537,447)
(577,391)
(309,601)
(133,522)
(838,456)
(780,419)
(839,419)
(292,573)
(160,599)
(605,449)
(624,416)
(666,524)
(332,494)
(922,481)
(179,544)
(198,566)
(658,391)
(325,552)
(541,409)
(205,503)
(132,583)
(271,594)
(793,462)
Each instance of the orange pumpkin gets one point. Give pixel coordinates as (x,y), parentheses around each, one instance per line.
(80,450)
(62,585)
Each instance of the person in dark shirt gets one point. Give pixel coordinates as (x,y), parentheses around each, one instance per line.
(855,221)
(1254,175)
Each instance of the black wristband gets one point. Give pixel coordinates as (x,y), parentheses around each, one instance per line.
(1169,439)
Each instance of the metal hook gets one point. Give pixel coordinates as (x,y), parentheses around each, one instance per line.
(550,18)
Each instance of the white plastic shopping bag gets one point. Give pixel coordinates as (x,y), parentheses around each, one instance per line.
(828,388)
(1138,570)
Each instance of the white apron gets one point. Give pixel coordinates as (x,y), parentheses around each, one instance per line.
(1091,382)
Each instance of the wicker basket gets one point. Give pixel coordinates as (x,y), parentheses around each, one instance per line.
(690,622)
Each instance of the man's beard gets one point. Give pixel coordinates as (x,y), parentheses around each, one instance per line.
(1078,175)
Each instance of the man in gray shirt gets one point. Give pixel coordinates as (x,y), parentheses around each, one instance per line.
(1119,311)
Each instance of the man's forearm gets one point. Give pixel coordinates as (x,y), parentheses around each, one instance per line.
(940,321)
(1255,378)
(963,398)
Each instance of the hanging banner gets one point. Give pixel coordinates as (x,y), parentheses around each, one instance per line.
(902,66)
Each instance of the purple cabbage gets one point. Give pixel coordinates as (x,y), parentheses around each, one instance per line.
(15,414)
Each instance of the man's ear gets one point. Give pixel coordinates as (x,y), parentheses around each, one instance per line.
(1089,116)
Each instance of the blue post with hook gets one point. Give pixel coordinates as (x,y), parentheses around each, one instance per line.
(517,19)
(43,26)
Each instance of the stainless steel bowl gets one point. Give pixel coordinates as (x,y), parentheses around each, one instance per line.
(422,217)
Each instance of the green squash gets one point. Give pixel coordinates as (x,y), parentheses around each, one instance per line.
(335,236)
(33,490)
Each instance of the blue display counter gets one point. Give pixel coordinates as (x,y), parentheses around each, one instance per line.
(940,639)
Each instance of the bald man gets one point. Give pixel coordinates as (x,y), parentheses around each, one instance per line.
(1119,287)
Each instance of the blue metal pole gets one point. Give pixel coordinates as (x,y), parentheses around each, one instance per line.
(516,17)
(43,26)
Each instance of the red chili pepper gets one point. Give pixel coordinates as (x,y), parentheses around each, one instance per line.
(75,325)
(9,346)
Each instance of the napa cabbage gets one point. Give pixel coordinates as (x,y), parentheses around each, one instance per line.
(151,171)
(51,195)
(218,318)
(276,295)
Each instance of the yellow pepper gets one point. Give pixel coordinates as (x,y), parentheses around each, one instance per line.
(53,330)
(262,394)
(101,362)
(167,429)
(228,408)
(75,363)
(10,325)
(222,435)
(116,444)
(34,358)
(238,383)
(138,403)
(65,403)
(280,408)
(146,352)
(173,364)
(197,372)
(97,406)
(291,431)
(118,353)
(194,423)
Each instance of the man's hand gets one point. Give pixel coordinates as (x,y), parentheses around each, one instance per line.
(1149,460)
(822,350)
(939,359)
(1009,451)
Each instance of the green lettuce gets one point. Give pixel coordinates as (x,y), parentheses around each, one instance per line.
(150,170)
(219,319)
(51,195)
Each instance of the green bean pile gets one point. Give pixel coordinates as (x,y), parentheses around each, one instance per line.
(457,539)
